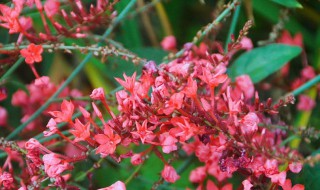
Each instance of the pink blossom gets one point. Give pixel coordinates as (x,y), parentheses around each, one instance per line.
(198,175)
(169,174)
(246,43)
(98,94)
(278,178)
(308,72)
(247,184)
(3,116)
(169,43)
(136,159)
(108,142)
(81,131)
(65,115)
(142,132)
(168,142)
(6,180)
(32,53)
(51,7)
(128,83)
(295,167)
(288,186)
(119,185)
(245,85)
(53,165)
(305,103)
(52,125)
(249,124)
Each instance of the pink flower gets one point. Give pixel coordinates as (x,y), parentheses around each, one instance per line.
(32,53)
(6,180)
(53,165)
(142,132)
(305,103)
(249,124)
(81,132)
(245,85)
(168,142)
(308,73)
(3,116)
(247,184)
(246,43)
(198,175)
(287,39)
(295,167)
(128,83)
(288,186)
(51,7)
(108,142)
(212,186)
(278,178)
(136,159)
(65,115)
(169,43)
(98,94)
(119,185)
(169,174)
(52,125)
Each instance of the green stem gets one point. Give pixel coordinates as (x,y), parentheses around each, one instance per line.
(133,174)
(73,74)
(232,27)
(12,69)
(306,86)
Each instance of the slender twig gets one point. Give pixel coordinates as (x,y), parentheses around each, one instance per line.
(304,87)
(134,173)
(232,27)
(12,69)
(74,73)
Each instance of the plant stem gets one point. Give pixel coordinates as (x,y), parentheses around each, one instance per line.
(133,174)
(232,27)
(73,74)
(305,86)
(12,69)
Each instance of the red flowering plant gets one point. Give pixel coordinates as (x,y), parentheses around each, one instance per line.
(203,117)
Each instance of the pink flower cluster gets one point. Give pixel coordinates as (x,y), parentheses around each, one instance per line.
(194,104)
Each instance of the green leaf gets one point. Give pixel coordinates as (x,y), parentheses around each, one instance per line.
(263,61)
(288,3)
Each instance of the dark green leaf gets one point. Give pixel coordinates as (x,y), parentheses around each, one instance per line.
(263,61)
(288,3)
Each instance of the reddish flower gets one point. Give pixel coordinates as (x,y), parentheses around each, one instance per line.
(52,125)
(65,115)
(169,43)
(249,124)
(6,180)
(174,103)
(168,142)
(212,186)
(142,132)
(305,103)
(246,43)
(288,186)
(81,132)
(51,7)
(278,178)
(54,166)
(169,174)
(245,85)
(32,53)
(198,175)
(136,159)
(287,39)
(247,184)
(308,73)
(108,142)
(128,83)
(3,116)
(119,185)
(98,94)
(295,167)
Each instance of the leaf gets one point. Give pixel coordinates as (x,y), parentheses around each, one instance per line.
(288,3)
(263,61)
